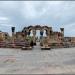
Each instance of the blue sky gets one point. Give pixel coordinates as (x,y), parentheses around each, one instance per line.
(55,14)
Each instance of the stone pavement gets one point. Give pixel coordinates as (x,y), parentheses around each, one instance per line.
(36,61)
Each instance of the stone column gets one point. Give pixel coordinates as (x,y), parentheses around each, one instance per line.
(34,36)
(48,35)
(41,33)
(62,32)
(25,33)
(50,31)
(28,33)
(13,30)
(41,36)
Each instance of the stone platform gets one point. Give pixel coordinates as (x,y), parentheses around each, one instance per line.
(26,48)
(45,48)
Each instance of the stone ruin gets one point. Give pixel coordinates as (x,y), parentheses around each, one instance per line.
(23,38)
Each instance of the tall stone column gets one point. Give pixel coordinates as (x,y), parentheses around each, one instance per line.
(28,33)
(13,30)
(34,36)
(62,31)
(41,33)
(25,33)
(41,36)
(48,33)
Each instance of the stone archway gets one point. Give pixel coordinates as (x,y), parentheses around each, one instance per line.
(27,31)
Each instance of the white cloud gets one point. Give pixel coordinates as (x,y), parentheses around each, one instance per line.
(6,25)
(4,22)
(34,9)
(37,9)
(3,18)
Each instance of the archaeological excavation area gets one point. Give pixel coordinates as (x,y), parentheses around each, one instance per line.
(27,53)
(26,39)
